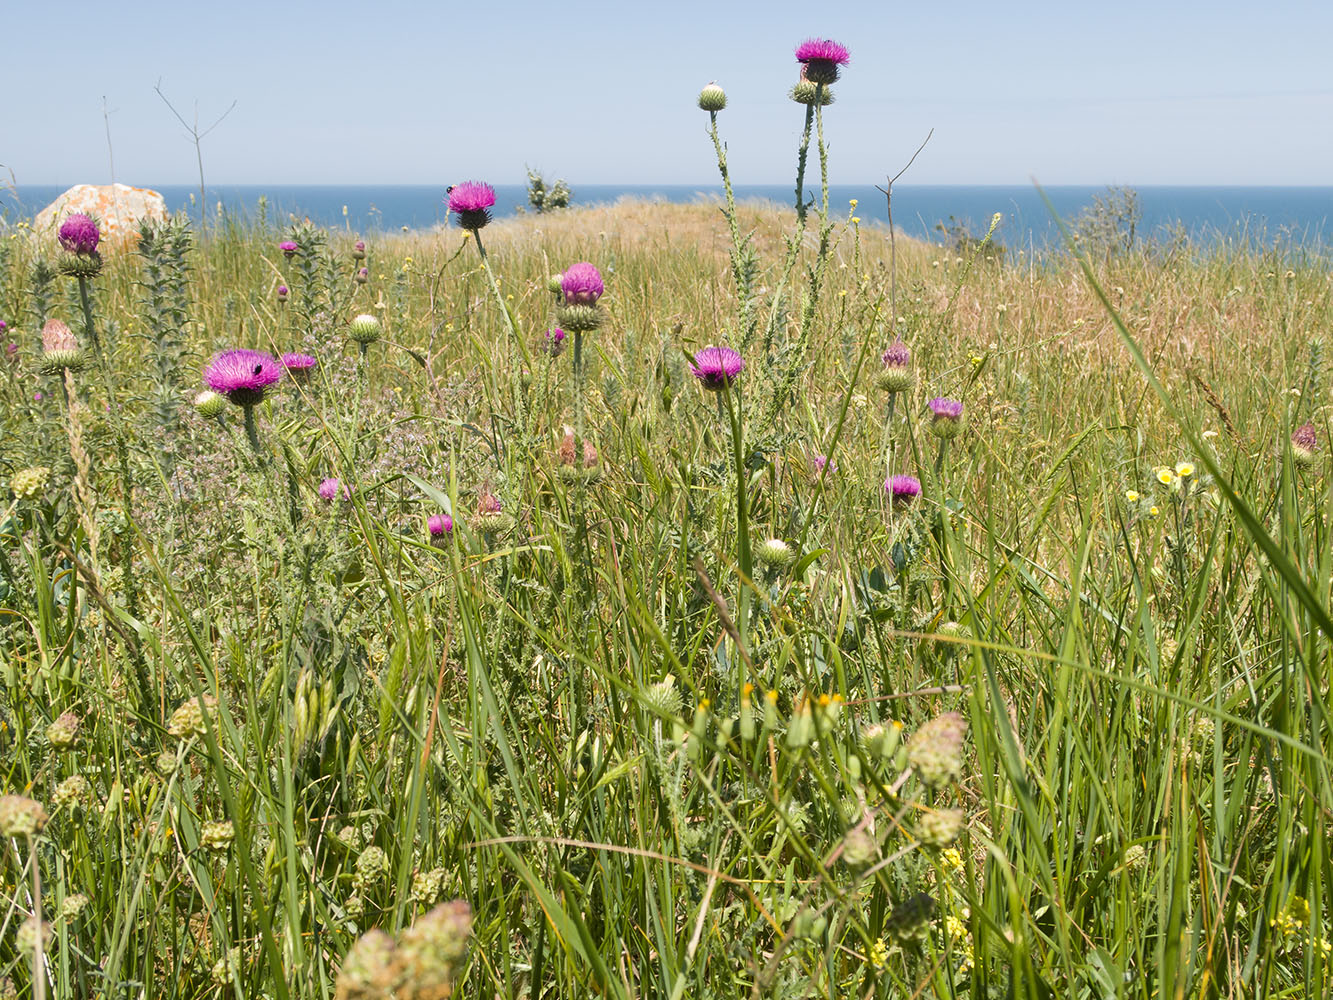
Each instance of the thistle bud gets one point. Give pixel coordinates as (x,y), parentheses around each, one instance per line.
(775,553)
(896,375)
(935,751)
(359,250)
(712,98)
(365,329)
(21,816)
(1304,445)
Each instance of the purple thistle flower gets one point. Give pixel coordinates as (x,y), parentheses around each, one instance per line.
(79,234)
(439,525)
(717,367)
(902,490)
(820,59)
(299,366)
(947,414)
(37,397)
(582,284)
(242,375)
(362,275)
(359,250)
(555,341)
(282,293)
(288,249)
(822,462)
(822,50)
(896,375)
(328,489)
(472,200)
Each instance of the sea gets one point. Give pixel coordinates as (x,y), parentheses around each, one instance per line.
(1292,217)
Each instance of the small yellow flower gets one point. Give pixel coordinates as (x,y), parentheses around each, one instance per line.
(1165,476)
(976,359)
(1153,510)
(1132,496)
(856,220)
(853,203)
(1184,469)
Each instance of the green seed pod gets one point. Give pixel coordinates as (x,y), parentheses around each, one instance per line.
(712,98)
(365,329)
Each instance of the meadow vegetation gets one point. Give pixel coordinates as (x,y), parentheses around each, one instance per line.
(475,659)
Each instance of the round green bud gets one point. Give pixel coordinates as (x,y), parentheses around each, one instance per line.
(578,318)
(804,93)
(712,98)
(209,404)
(775,553)
(365,329)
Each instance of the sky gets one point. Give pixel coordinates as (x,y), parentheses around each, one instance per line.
(1137,93)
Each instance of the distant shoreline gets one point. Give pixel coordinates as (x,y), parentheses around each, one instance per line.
(1294,215)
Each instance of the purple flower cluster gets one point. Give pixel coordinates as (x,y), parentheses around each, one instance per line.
(717,367)
(79,234)
(242,375)
(439,525)
(472,201)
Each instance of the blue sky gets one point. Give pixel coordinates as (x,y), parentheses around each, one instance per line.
(424,93)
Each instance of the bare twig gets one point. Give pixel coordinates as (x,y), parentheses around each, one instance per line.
(196,137)
(893,248)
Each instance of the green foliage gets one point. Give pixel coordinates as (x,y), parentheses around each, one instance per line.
(648,766)
(547,199)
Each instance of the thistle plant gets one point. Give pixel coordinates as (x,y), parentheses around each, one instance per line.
(164,316)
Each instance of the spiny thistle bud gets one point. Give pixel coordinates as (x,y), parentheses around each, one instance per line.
(217,834)
(896,375)
(910,919)
(79,236)
(555,284)
(805,93)
(362,275)
(775,553)
(209,404)
(946,417)
(359,250)
(282,294)
(578,319)
(935,751)
(189,719)
(712,98)
(365,329)
(21,816)
(950,631)
(288,248)
(555,342)
(60,349)
(28,483)
(63,733)
(491,515)
(1304,444)
(940,827)
(663,698)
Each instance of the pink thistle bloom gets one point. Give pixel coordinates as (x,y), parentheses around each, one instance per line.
(439,525)
(897,355)
(79,234)
(56,336)
(822,50)
(288,249)
(242,375)
(37,397)
(820,59)
(582,284)
(946,416)
(717,367)
(328,489)
(299,366)
(555,342)
(359,250)
(822,462)
(902,490)
(472,200)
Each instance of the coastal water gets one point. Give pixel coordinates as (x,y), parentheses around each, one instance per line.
(1300,216)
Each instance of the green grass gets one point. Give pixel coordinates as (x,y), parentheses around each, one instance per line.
(549,714)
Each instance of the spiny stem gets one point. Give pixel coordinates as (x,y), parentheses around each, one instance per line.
(801,156)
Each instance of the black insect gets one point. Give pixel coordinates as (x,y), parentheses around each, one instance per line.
(259,369)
